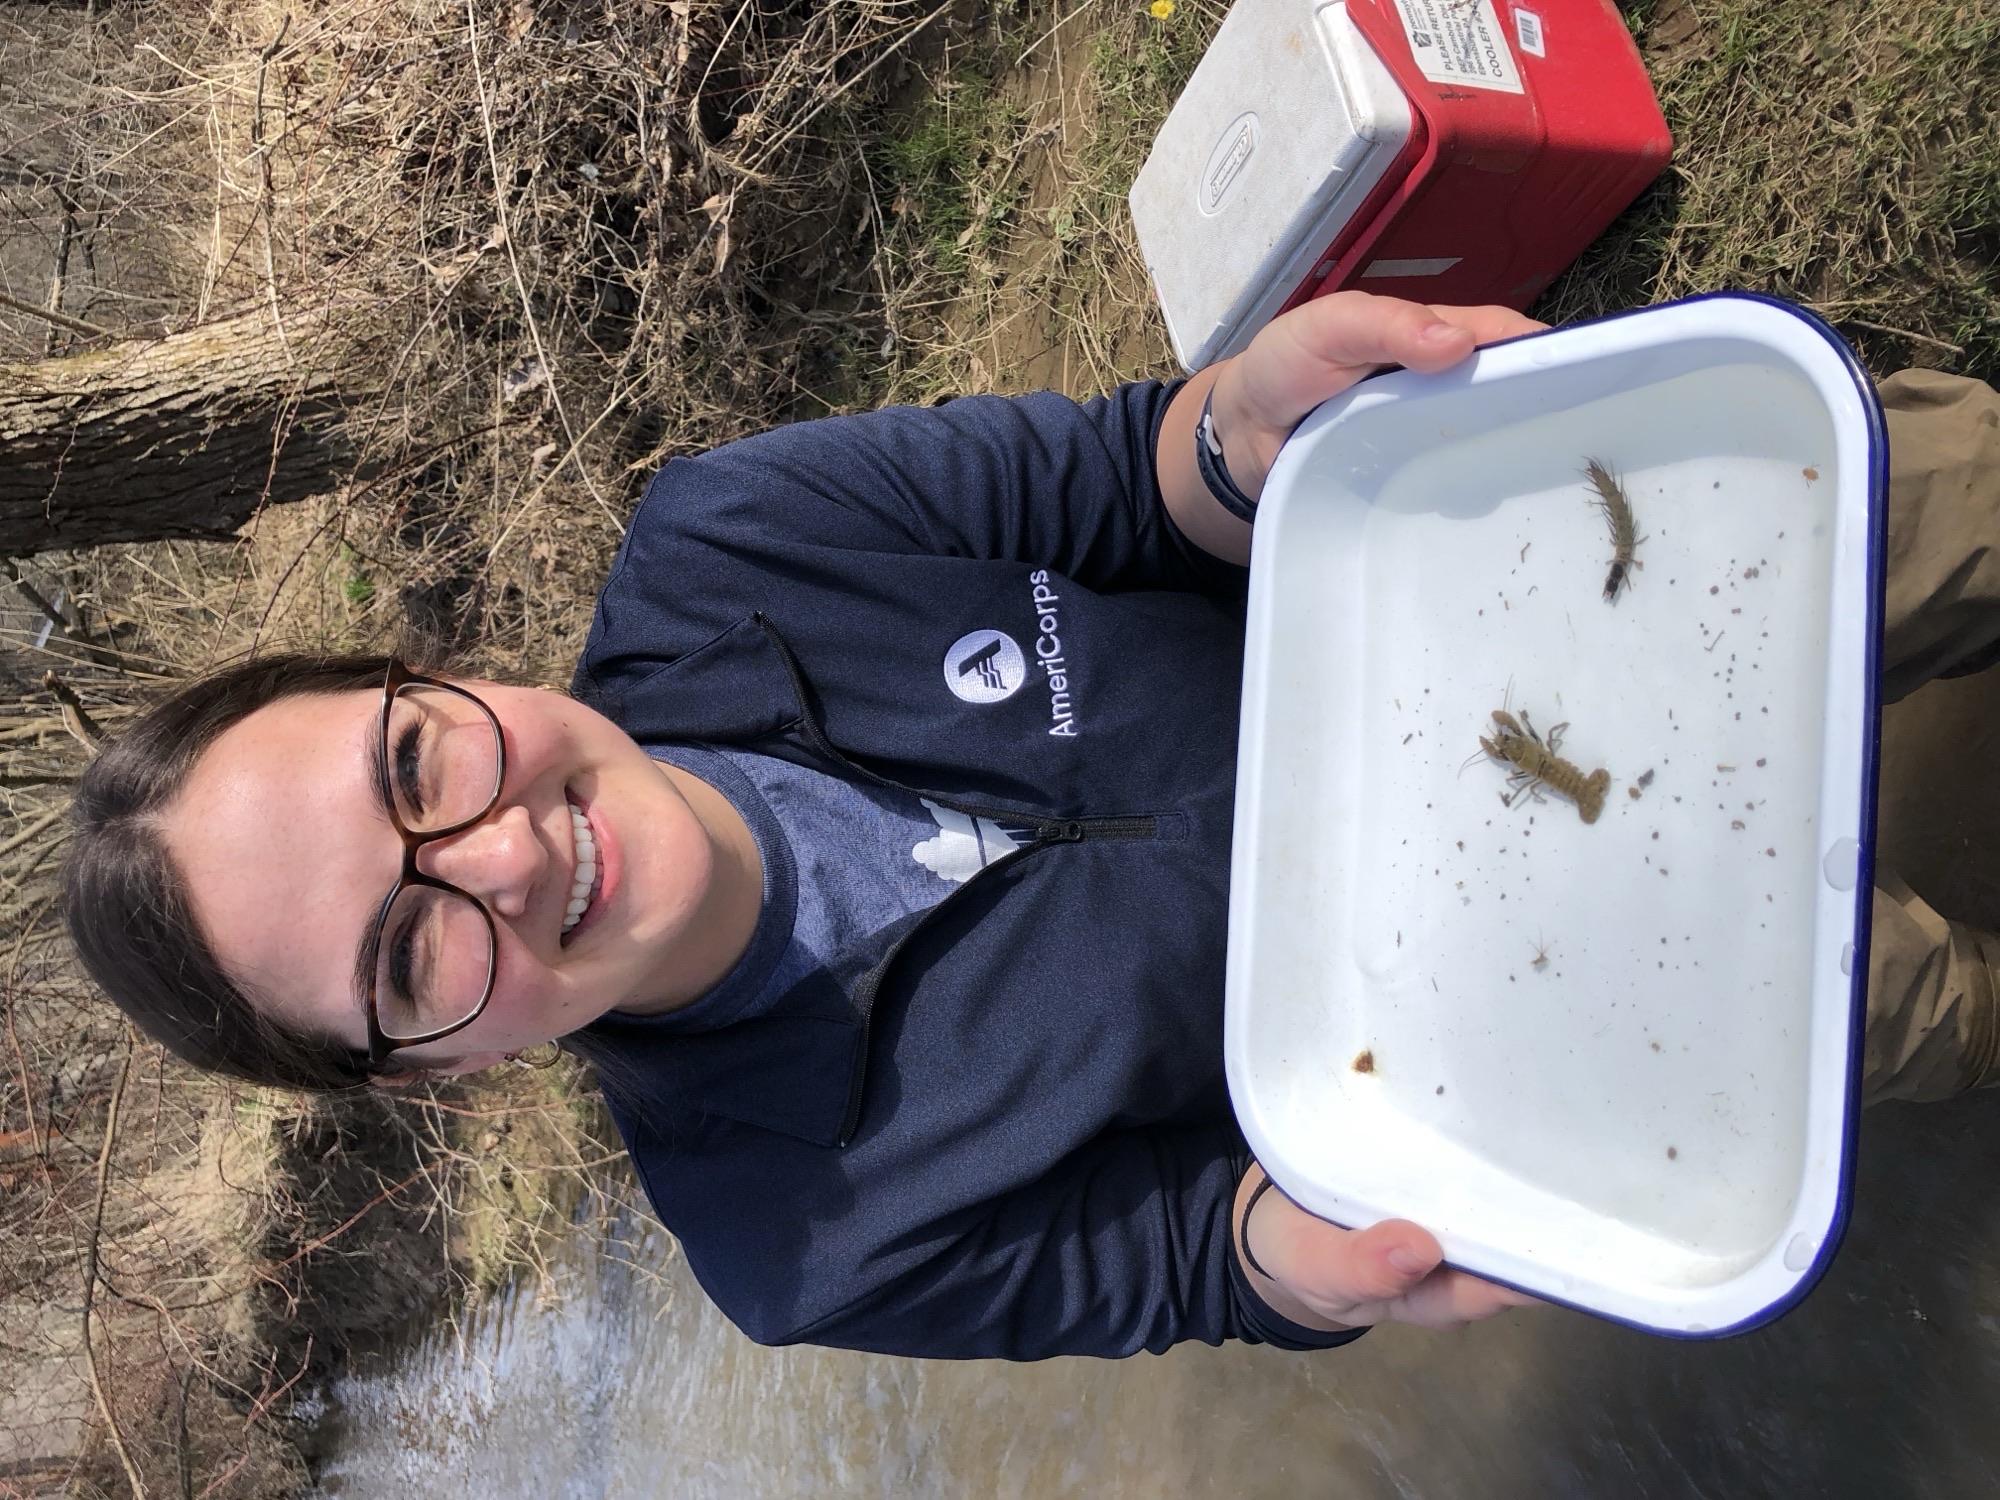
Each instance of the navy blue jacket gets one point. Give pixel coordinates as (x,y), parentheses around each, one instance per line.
(1009,1135)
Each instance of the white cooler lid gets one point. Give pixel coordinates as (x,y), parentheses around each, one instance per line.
(1288,123)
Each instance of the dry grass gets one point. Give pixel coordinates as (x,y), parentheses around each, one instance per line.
(1013,257)
(1846,157)
(557,243)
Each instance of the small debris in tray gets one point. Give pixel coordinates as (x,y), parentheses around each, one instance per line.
(1365,1063)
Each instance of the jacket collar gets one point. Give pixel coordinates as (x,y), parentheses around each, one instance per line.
(791,1070)
(735,689)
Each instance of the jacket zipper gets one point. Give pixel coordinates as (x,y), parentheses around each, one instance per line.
(1048,832)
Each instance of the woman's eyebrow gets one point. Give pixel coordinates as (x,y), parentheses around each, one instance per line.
(375,766)
(375,771)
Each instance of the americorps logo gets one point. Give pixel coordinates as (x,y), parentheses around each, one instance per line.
(985,666)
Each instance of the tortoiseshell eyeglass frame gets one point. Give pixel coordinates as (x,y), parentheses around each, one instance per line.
(380,1043)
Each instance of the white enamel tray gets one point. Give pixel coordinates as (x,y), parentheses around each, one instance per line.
(1610,1064)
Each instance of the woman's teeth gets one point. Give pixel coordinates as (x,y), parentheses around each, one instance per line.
(586,870)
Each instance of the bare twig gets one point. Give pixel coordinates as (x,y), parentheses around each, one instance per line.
(20,780)
(90,1274)
(76,718)
(514,263)
(35,600)
(65,242)
(49,315)
(34,829)
(1034,46)
(1907,333)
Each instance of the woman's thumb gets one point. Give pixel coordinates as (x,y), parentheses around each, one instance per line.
(1390,1258)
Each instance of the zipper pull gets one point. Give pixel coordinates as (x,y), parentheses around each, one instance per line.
(1070,832)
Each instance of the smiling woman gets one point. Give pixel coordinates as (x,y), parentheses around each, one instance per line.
(902,969)
(273,834)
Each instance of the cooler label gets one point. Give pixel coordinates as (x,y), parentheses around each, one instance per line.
(1528,32)
(1459,42)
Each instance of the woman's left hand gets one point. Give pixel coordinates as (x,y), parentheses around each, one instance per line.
(1313,352)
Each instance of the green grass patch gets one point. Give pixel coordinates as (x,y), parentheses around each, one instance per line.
(948,175)
(1844,157)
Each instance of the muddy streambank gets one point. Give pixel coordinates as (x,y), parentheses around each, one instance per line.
(246,1249)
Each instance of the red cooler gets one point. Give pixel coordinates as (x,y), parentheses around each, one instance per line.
(1452,151)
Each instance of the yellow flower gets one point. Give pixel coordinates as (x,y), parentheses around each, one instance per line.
(1161,9)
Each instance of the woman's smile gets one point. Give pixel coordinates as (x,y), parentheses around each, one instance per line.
(591,883)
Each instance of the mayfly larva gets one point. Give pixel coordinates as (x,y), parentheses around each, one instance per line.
(1610,499)
(1537,763)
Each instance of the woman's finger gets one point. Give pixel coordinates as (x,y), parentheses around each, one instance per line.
(1348,1275)
(1323,347)
(1489,325)
(1449,1299)
(1355,332)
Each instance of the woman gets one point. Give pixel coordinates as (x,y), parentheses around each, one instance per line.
(880,866)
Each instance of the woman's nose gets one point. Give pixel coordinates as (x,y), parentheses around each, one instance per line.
(497,860)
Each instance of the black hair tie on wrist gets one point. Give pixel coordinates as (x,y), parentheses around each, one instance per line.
(1243,1231)
(1214,469)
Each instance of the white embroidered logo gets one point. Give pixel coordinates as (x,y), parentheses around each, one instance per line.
(985,667)
(964,846)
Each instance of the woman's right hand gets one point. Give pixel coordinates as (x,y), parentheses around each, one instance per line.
(1323,1276)
(1298,360)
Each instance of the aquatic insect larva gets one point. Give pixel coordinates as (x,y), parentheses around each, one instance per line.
(1537,763)
(1610,499)
(1541,959)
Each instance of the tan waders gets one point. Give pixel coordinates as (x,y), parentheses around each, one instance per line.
(1932,1024)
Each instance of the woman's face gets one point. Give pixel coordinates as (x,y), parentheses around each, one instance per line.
(287,855)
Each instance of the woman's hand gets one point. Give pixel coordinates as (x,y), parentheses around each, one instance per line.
(1313,352)
(1323,1276)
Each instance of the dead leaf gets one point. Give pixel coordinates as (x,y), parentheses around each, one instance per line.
(717,208)
(530,374)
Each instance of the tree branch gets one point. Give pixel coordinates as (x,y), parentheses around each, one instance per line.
(90,1273)
(61,320)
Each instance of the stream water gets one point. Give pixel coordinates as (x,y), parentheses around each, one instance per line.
(620,1380)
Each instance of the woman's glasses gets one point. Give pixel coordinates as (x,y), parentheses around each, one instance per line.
(430,957)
